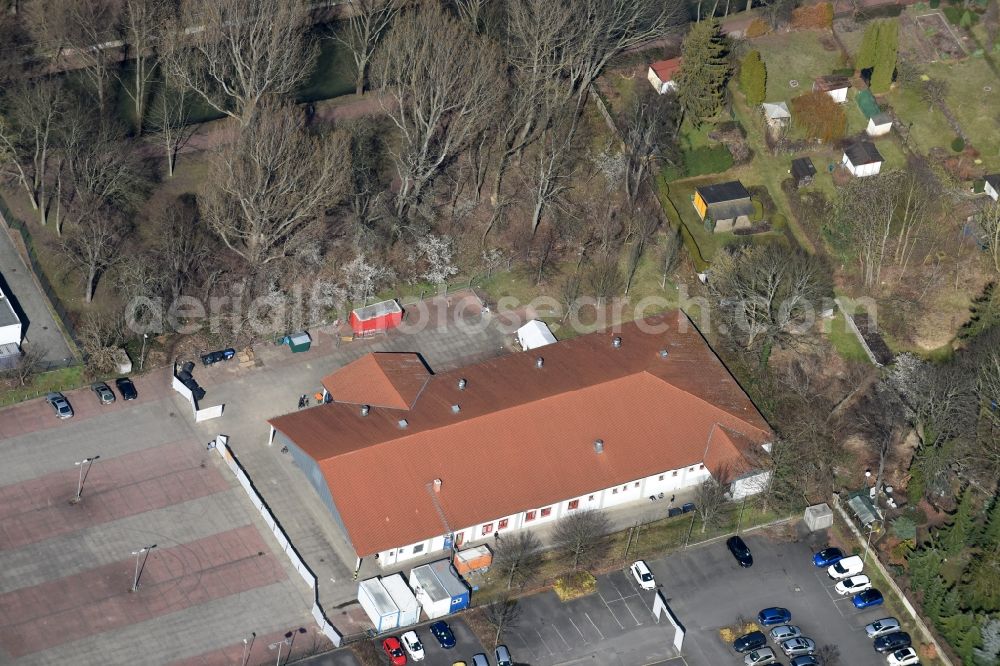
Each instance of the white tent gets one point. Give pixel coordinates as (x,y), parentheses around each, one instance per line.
(534,334)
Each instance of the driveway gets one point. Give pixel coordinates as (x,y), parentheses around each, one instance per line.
(30,304)
(708,590)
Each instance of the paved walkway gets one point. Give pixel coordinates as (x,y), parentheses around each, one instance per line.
(40,327)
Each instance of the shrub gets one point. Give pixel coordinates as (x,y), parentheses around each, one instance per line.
(934,4)
(706,160)
(753,78)
(818,16)
(819,116)
(958,144)
(574,585)
(757,28)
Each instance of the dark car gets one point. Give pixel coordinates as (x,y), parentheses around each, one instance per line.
(740,551)
(828,556)
(772,616)
(868,598)
(892,642)
(751,641)
(442,632)
(688,507)
(805,660)
(674,511)
(216,356)
(126,388)
(105,395)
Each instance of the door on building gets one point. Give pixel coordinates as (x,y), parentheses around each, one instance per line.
(459,539)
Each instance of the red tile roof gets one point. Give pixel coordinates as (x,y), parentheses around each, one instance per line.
(382,379)
(665,69)
(523,437)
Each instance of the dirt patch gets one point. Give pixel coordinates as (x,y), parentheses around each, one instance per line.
(828,43)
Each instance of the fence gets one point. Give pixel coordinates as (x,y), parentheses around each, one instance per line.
(222,448)
(62,315)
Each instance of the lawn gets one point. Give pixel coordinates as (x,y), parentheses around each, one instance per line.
(843,339)
(798,57)
(55,380)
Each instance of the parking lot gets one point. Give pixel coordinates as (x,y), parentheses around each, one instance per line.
(708,590)
(466,645)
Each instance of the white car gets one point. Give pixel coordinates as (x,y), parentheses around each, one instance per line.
(853,585)
(845,568)
(905,657)
(643,575)
(759,657)
(413,645)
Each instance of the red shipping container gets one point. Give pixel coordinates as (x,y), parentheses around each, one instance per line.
(376,317)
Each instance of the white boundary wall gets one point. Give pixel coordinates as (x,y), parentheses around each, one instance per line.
(200,415)
(660,607)
(222,448)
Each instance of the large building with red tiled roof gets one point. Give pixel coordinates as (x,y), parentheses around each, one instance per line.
(409,462)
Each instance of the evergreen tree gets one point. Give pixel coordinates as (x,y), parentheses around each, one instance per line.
(885,56)
(962,530)
(933,598)
(989,536)
(753,78)
(979,584)
(962,632)
(950,602)
(867,52)
(701,82)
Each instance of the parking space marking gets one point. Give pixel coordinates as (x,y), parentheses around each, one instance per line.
(517,638)
(637,623)
(585,641)
(560,635)
(594,625)
(542,639)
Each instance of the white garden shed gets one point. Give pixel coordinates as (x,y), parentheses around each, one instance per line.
(534,334)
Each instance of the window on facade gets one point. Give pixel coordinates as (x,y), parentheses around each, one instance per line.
(529,516)
(573,504)
(661,477)
(701,466)
(402,551)
(675,472)
(614,491)
(502,524)
(419,548)
(547,511)
(590,499)
(690,469)
(487,528)
(624,488)
(636,484)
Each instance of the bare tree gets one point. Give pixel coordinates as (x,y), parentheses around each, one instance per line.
(579,535)
(366,24)
(709,499)
(31,114)
(169,119)
(180,246)
(649,137)
(920,192)
(101,336)
(273,183)
(144,22)
(550,174)
(517,557)
(502,613)
(445,83)
(29,363)
(94,242)
(768,291)
(865,209)
(363,278)
(242,51)
(989,221)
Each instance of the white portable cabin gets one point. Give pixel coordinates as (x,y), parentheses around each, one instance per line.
(10,323)
(438,590)
(534,334)
(403,597)
(379,606)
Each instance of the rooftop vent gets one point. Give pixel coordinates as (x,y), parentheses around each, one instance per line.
(664,353)
(365,409)
(455,409)
(403,423)
(539,362)
(462,383)
(598,446)
(616,341)
(437,485)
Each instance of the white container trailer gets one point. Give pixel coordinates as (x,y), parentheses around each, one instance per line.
(403,597)
(10,324)
(381,609)
(438,589)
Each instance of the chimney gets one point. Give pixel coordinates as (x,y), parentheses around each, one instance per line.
(462,383)
(539,362)
(616,341)
(437,485)
(598,446)
(365,409)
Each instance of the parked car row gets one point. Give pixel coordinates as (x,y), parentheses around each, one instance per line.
(889,639)
(847,572)
(409,643)
(105,396)
(787,637)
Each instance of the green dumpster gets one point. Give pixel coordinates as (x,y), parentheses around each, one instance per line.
(299,342)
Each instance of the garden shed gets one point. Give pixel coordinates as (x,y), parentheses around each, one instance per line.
(833,85)
(376,318)
(661,74)
(992,186)
(776,114)
(534,334)
(803,171)
(862,159)
(726,206)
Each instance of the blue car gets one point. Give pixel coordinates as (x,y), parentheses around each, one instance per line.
(868,598)
(827,556)
(442,632)
(772,616)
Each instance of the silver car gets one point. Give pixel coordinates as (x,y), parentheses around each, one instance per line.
(105,395)
(60,404)
(793,647)
(759,657)
(503,656)
(886,625)
(784,632)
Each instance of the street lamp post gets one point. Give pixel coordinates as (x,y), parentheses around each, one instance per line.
(138,554)
(287,640)
(142,354)
(868,542)
(86,462)
(246,644)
